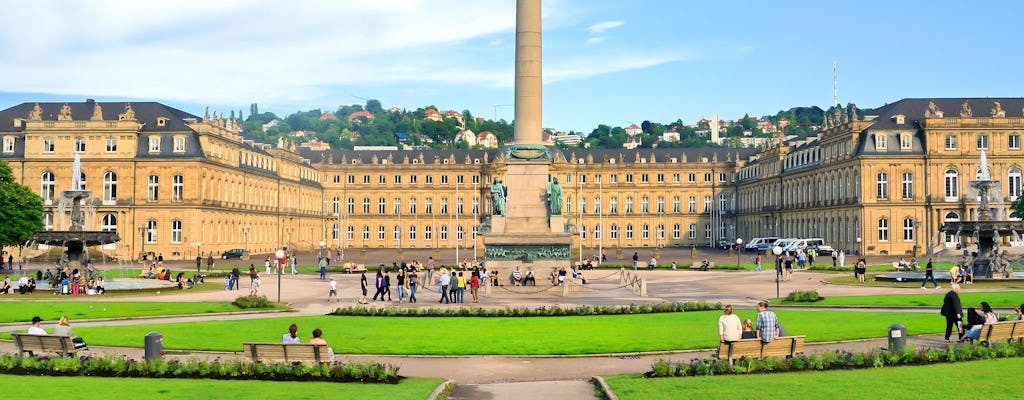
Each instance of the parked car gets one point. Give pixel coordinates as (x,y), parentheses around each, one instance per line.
(810,243)
(233,253)
(783,243)
(760,243)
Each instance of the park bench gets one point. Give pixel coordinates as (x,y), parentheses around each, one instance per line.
(786,346)
(1007,331)
(288,352)
(31,344)
(355,268)
(698,265)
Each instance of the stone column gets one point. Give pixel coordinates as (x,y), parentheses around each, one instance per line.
(528,73)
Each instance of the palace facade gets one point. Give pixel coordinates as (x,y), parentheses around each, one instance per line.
(180,185)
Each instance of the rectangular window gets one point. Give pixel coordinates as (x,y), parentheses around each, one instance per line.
(366,205)
(1014,142)
(444,179)
(982,142)
(950,142)
(676,205)
(175,231)
(8,144)
(661,178)
(908,186)
(883,230)
(79,145)
(882,186)
(179,144)
(691,177)
(721,177)
(154,188)
(643,178)
(613,178)
(382,206)
(412,179)
(629,231)
(428,180)
(428,233)
(459,180)
(629,178)
(428,206)
(366,179)
(382,180)
(351,179)
(908,230)
(337,179)
(880,142)
(111,145)
(707,231)
(154,144)
(675,231)
(707,203)
(351,206)
(397,209)
(675,178)
(178,188)
(905,142)
(707,177)
(398,179)
(48,145)
(692,232)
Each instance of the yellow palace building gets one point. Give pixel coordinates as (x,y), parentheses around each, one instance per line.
(181,185)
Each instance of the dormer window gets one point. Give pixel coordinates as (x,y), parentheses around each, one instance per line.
(905,142)
(154,144)
(880,141)
(179,144)
(161,121)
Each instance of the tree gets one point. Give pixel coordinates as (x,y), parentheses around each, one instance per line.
(374,107)
(1018,207)
(22,213)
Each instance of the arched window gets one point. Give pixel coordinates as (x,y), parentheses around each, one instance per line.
(335,232)
(629,205)
(1013,181)
(614,231)
(109,223)
(397,235)
(908,229)
(645,205)
(908,185)
(380,232)
(661,204)
(883,230)
(882,186)
(47,188)
(645,231)
(109,187)
(366,234)
(48,221)
(336,205)
(176,231)
(675,231)
(177,188)
(428,233)
(676,204)
(629,231)
(952,184)
(443,232)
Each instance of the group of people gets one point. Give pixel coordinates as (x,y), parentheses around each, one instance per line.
(24,285)
(71,282)
(968,325)
(767,326)
(63,328)
(292,337)
(9,258)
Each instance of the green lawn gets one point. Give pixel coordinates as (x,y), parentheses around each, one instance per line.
(50,311)
(847,278)
(919,382)
(927,298)
(89,388)
(532,335)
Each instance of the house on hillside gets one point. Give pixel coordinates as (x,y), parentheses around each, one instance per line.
(361,113)
(632,143)
(670,136)
(633,130)
(455,115)
(433,115)
(466,136)
(402,137)
(316,145)
(487,140)
(328,116)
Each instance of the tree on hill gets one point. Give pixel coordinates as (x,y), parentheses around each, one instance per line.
(22,211)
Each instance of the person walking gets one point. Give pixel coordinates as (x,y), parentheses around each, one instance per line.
(209,261)
(235,274)
(323,268)
(333,291)
(953,312)
(378,283)
(387,285)
(757,262)
(460,291)
(362,286)
(292,262)
(199,264)
(430,272)
(266,265)
(929,275)
(636,259)
(474,285)
(842,259)
(400,278)
(444,281)
(413,281)
(254,287)
(252,274)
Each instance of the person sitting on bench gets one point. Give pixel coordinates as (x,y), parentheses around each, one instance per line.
(517,277)
(529,278)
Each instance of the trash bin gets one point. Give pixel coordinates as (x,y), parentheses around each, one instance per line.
(897,337)
(154,345)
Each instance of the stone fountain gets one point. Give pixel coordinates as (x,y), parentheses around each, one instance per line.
(987,233)
(76,239)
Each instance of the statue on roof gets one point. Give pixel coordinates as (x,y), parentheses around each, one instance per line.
(97,112)
(837,115)
(998,112)
(128,115)
(965,110)
(280,142)
(852,108)
(206,115)
(933,110)
(36,114)
(65,113)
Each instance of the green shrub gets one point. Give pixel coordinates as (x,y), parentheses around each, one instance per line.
(803,296)
(253,302)
(837,360)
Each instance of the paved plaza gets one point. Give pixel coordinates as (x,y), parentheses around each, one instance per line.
(511,377)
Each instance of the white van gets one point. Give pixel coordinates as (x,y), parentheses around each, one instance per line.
(760,244)
(784,243)
(805,244)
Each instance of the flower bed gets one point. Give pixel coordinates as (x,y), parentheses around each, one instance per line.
(554,311)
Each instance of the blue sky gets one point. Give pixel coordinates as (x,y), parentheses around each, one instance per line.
(605,62)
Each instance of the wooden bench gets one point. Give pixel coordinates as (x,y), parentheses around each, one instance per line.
(698,265)
(31,344)
(290,352)
(786,346)
(354,268)
(1006,331)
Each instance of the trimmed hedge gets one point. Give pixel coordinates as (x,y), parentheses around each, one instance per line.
(804,296)
(835,360)
(252,301)
(554,311)
(122,367)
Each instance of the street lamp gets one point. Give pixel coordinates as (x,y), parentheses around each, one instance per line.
(917,245)
(858,245)
(280,258)
(142,236)
(777,251)
(739,242)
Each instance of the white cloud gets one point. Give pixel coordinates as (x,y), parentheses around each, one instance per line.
(595,40)
(603,26)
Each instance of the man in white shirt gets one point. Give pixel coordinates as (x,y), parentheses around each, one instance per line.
(35,329)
